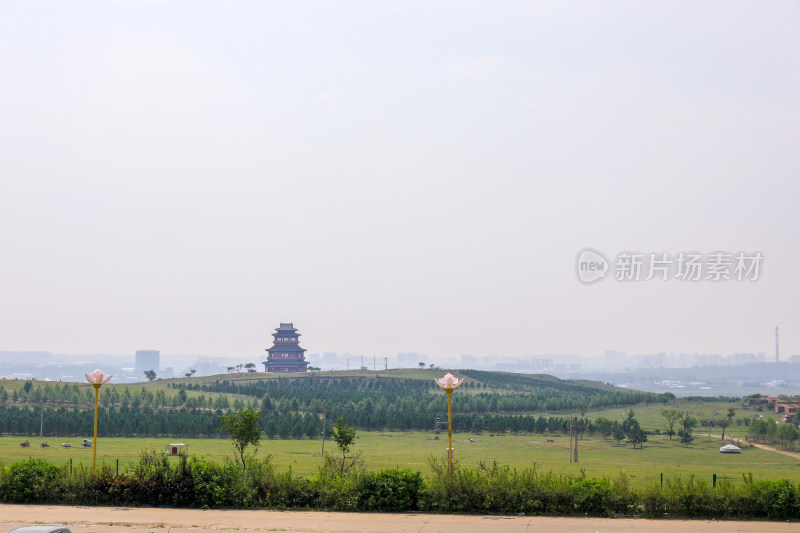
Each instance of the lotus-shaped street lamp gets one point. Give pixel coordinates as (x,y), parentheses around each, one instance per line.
(449,383)
(97,379)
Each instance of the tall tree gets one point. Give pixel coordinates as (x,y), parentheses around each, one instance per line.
(727,421)
(786,434)
(670,417)
(243,429)
(344,436)
(636,434)
(687,423)
(604,426)
(150,374)
(617,432)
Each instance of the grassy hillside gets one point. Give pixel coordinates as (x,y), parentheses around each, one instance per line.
(485,381)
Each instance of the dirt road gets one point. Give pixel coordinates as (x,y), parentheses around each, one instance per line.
(149,520)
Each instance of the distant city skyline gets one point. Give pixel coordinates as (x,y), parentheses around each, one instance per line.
(683,374)
(610,359)
(396,177)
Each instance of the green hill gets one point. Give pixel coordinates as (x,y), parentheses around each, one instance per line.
(293,405)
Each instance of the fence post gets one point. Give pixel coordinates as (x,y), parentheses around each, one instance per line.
(117,466)
(662,480)
(70,466)
(715,481)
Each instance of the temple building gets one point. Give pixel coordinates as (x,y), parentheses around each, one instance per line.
(286,355)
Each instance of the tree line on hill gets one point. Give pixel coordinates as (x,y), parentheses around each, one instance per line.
(317,394)
(294,408)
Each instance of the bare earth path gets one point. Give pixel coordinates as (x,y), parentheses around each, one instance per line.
(159,520)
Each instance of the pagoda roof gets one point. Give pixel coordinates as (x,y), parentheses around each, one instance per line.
(286,326)
(286,347)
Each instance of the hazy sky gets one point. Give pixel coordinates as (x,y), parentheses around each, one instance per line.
(394,176)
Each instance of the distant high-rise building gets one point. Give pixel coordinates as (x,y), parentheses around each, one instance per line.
(147,360)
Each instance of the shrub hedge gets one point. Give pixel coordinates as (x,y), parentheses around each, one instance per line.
(156,480)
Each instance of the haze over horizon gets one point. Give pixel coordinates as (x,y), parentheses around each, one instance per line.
(420,177)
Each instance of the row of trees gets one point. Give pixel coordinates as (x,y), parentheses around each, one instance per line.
(186,422)
(122,422)
(628,429)
(767,431)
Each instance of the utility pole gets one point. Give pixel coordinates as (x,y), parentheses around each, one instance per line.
(386,363)
(576,442)
(570,440)
(324,414)
(41,423)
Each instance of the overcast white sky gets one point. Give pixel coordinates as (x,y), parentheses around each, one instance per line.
(394,176)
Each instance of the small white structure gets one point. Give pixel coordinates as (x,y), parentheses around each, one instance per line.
(176,448)
(730,448)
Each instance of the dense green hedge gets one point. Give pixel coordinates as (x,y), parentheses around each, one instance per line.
(195,482)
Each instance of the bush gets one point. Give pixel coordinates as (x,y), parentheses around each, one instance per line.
(593,496)
(216,485)
(776,499)
(393,490)
(33,481)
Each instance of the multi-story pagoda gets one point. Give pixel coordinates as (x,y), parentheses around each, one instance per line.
(286,355)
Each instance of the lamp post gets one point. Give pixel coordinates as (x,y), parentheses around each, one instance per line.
(449,383)
(97,379)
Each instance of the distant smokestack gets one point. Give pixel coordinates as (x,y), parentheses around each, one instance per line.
(777,346)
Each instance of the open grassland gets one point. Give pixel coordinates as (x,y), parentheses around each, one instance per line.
(649,416)
(379,450)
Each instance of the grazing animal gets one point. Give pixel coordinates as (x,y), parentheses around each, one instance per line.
(551,441)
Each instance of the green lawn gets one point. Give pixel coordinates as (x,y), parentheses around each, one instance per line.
(390,450)
(649,416)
